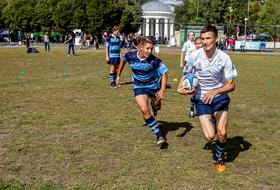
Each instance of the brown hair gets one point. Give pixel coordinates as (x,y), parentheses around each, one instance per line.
(115,28)
(197,38)
(191,32)
(209,28)
(146,39)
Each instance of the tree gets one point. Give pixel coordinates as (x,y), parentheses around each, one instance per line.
(20,15)
(200,12)
(269,15)
(44,12)
(216,12)
(80,19)
(141,2)
(65,15)
(3,4)
(62,16)
(131,17)
(103,15)
(184,14)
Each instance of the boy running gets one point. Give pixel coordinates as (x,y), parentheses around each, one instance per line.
(212,67)
(149,77)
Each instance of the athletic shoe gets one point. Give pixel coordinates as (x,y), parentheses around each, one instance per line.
(220,166)
(161,140)
(113,84)
(191,114)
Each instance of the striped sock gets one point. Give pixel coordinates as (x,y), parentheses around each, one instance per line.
(111,77)
(219,150)
(152,123)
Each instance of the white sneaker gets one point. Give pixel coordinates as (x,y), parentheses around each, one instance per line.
(161,140)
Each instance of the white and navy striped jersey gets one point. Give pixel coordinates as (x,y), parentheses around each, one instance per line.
(211,73)
(146,73)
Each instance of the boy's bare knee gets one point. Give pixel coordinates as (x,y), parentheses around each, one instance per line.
(146,113)
(209,137)
(222,134)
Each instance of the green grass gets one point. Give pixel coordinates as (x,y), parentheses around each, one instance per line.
(63,127)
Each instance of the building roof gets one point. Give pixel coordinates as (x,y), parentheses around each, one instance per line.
(172,2)
(156,6)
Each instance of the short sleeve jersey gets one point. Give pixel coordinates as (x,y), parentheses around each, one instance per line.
(211,73)
(146,73)
(188,67)
(187,48)
(113,45)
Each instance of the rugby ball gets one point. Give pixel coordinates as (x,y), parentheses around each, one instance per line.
(190,81)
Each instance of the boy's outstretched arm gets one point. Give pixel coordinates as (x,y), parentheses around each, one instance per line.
(160,93)
(120,69)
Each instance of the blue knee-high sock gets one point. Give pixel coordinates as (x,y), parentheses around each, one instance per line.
(192,102)
(152,123)
(219,150)
(111,77)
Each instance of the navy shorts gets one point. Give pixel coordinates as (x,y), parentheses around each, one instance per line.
(219,103)
(145,91)
(115,61)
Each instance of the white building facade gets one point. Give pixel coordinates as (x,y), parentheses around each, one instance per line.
(158,18)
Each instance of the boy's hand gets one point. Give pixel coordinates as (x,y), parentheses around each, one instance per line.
(209,96)
(108,60)
(160,94)
(186,91)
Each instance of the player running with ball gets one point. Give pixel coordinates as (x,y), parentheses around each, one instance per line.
(212,67)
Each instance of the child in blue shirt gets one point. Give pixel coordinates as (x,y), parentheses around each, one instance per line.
(149,78)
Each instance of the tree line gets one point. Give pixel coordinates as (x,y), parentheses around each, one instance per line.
(260,14)
(91,16)
(94,16)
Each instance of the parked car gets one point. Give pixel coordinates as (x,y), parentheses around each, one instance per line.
(263,38)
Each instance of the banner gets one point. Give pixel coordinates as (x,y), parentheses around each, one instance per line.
(251,45)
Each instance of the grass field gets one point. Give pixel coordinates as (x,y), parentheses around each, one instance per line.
(63,127)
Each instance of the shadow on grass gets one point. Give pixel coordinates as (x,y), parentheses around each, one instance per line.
(126,83)
(165,127)
(234,146)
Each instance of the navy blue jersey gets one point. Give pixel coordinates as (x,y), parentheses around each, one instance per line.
(113,45)
(146,73)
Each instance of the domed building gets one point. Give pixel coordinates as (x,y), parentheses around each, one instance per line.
(158,19)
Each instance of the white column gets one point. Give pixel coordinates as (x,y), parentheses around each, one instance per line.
(147,27)
(140,30)
(157,27)
(166,28)
(172,28)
